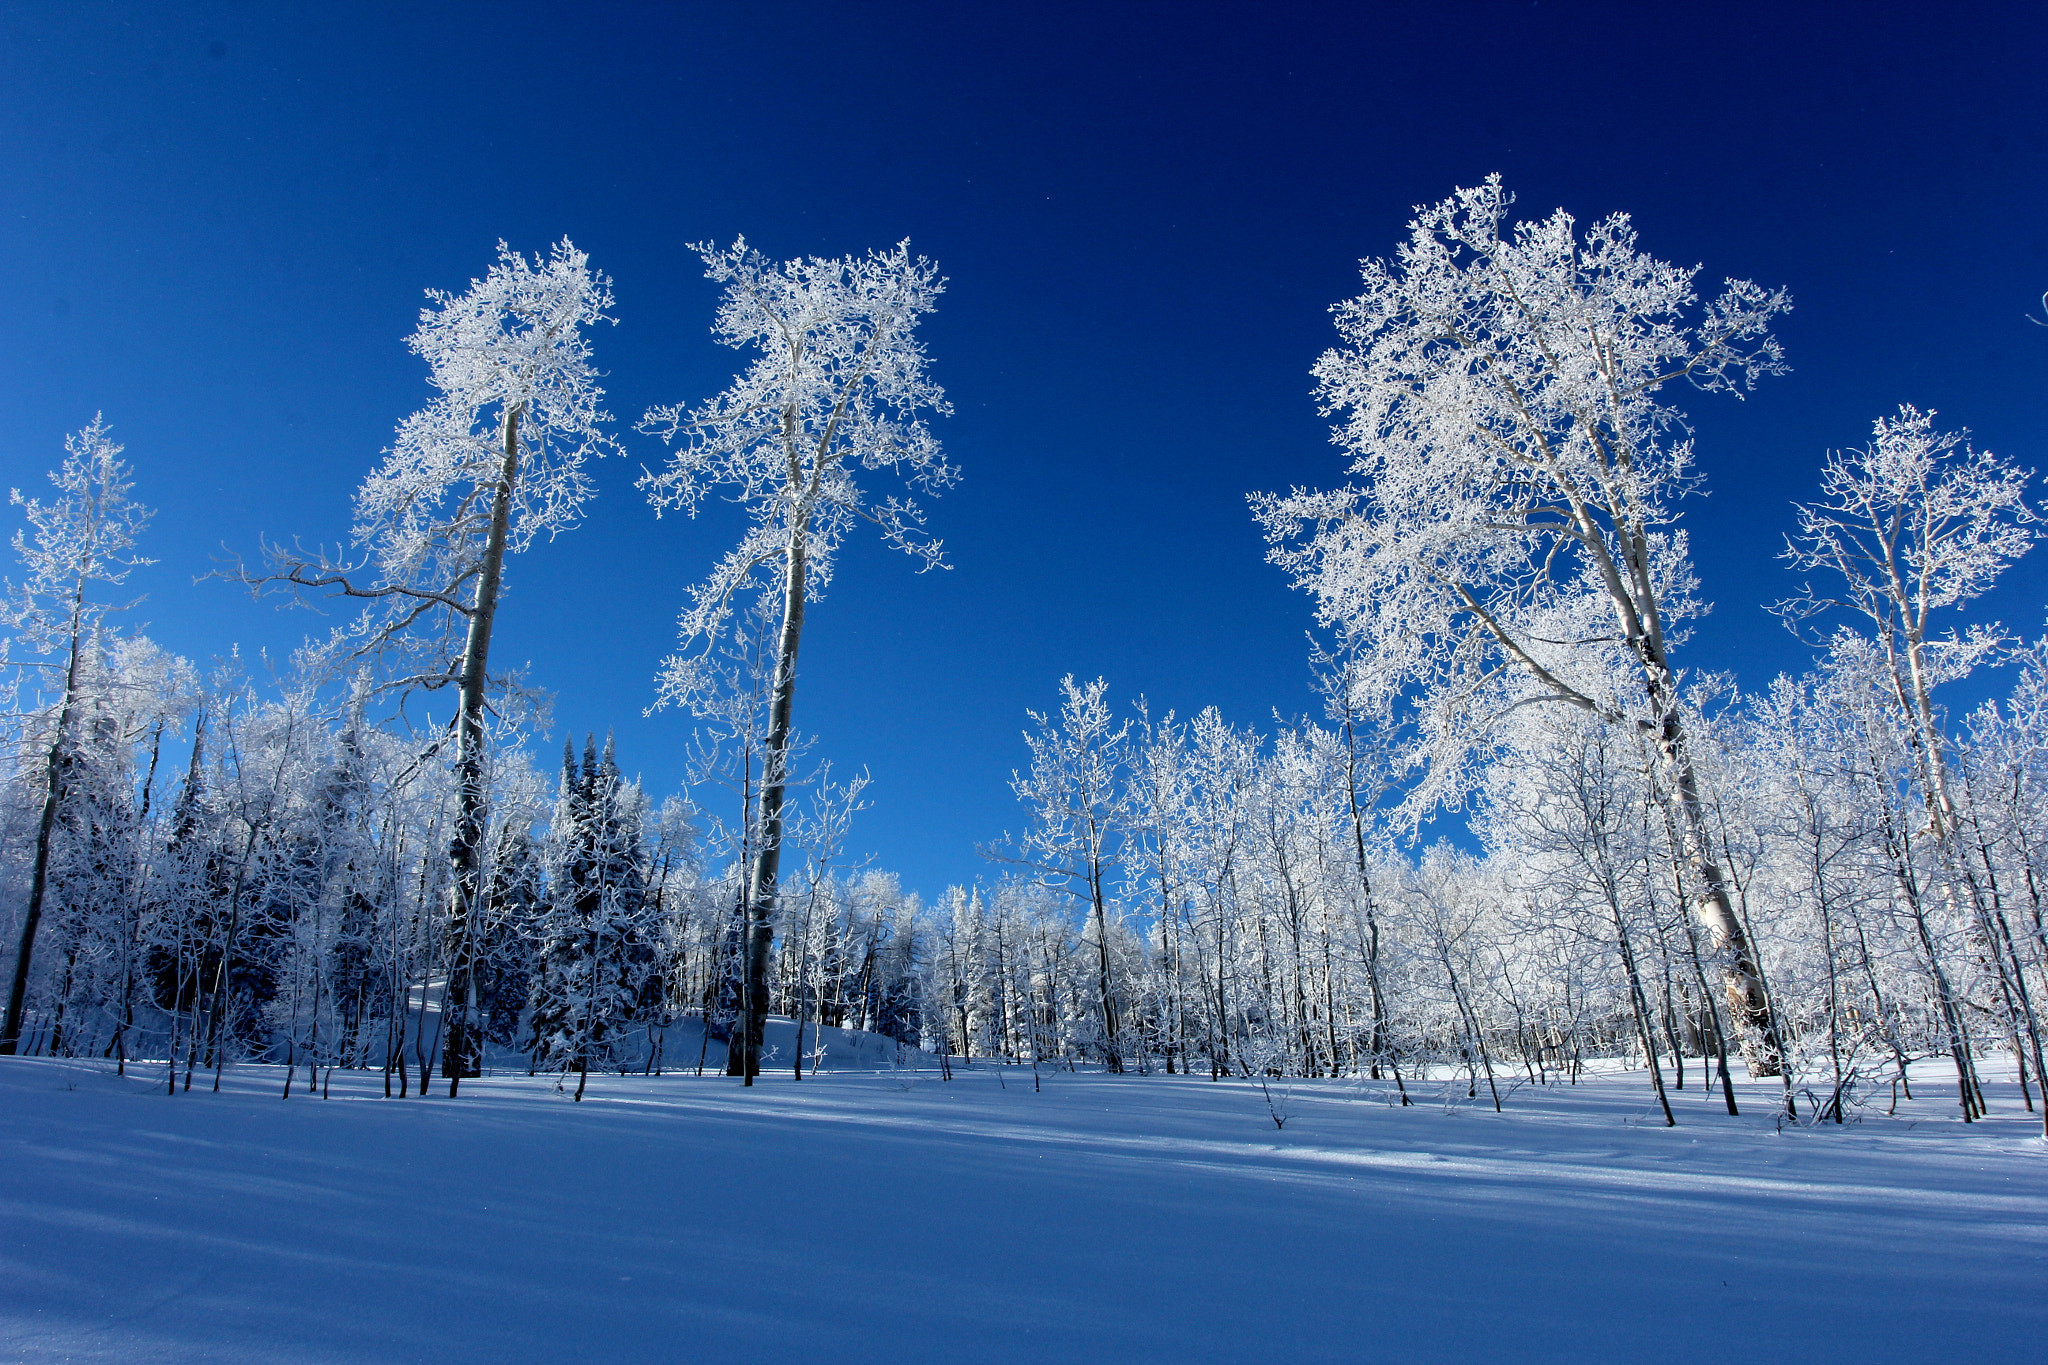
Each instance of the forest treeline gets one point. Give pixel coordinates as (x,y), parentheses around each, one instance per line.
(1819,880)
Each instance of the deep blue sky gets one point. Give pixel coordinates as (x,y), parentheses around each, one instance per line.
(216,222)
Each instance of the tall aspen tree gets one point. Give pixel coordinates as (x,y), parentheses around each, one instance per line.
(838,386)
(1509,538)
(495,461)
(86,536)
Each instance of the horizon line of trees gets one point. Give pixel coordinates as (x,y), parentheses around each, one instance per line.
(283,897)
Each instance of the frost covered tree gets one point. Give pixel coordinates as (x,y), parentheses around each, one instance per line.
(1567,816)
(1079,812)
(89,968)
(1913,524)
(1508,538)
(92,862)
(513,909)
(147,694)
(77,543)
(600,956)
(838,387)
(1162,795)
(821,834)
(1362,776)
(2005,772)
(493,463)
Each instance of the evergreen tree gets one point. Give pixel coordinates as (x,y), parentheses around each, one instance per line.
(513,908)
(600,951)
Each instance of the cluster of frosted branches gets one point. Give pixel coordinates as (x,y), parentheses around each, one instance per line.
(838,384)
(1251,921)
(1514,459)
(245,870)
(508,357)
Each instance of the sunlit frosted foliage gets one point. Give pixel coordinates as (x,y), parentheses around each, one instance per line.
(1914,522)
(84,536)
(839,383)
(509,356)
(1502,394)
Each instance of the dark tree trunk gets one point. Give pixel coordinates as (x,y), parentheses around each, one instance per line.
(53,798)
(762,885)
(463,1054)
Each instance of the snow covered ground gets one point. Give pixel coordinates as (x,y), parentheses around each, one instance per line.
(894,1216)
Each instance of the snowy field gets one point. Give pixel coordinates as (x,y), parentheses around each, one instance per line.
(897,1217)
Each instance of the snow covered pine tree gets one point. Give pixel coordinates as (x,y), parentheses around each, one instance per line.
(599,961)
